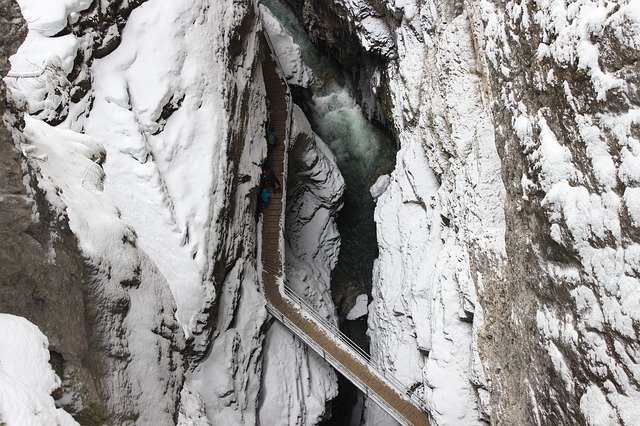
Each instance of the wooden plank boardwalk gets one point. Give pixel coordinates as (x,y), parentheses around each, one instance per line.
(291,314)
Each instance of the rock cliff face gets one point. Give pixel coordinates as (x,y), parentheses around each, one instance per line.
(41,266)
(80,275)
(133,184)
(511,214)
(153,165)
(569,107)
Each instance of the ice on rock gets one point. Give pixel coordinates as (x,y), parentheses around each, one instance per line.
(26,377)
(380,185)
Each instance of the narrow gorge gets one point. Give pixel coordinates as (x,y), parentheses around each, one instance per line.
(320,212)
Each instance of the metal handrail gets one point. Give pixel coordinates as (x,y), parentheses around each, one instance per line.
(27,74)
(366,358)
(338,365)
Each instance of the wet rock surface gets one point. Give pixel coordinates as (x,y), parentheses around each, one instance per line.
(359,35)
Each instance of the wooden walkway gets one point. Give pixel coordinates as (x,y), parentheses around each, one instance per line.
(291,314)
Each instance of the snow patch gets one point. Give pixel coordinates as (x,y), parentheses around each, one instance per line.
(26,377)
(360,309)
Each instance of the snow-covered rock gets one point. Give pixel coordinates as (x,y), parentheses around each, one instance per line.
(443,204)
(297,383)
(286,51)
(566,124)
(132,308)
(360,309)
(370,26)
(51,20)
(41,266)
(179,110)
(381,184)
(517,298)
(506,284)
(26,377)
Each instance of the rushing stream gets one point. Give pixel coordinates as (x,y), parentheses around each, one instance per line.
(363,153)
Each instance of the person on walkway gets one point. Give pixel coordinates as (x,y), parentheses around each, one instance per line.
(269,179)
(271,138)
(265,178)
(275,182)
(264,197)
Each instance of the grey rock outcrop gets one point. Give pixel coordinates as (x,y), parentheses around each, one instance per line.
(41,268)
(561,338)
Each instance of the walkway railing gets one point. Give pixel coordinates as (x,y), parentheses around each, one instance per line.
(25,74)
(344,339)
(343,369)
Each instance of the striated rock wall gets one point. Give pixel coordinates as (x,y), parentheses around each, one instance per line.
(440,216)
(507,274)
(566,112)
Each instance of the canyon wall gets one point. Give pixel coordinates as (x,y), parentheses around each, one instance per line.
(511,214)
(75,270)
(133,184)
(152,236)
